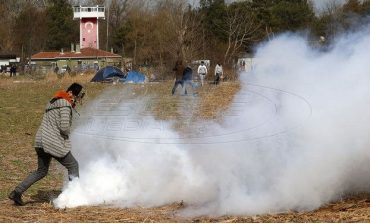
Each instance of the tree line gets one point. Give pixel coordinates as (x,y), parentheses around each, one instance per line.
(159,32)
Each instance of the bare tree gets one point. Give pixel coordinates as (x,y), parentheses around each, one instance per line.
(138,34)
(30,31)
(9,9)
(332,14)
(180,28)
(241,29)
(117,12)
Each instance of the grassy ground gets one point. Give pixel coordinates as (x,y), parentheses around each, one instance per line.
(22,102)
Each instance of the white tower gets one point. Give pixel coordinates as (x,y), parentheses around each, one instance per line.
(89,26)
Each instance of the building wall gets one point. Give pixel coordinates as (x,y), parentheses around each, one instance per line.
(78,65)
(4,62)
(89,32)
(7,62)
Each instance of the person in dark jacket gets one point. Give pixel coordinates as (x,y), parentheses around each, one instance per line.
(179,72)
(188,79)
(52,139)
(13,71)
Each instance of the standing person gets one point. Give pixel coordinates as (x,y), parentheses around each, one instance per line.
(52,139)
(187,78)
(68,69)
(12,67)
(218,73)
(14,70)
(202,72)
(56,69)
(179,70)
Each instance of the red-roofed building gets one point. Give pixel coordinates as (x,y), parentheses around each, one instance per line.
(79,60)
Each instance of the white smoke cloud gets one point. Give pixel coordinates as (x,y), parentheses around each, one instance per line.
(295,138)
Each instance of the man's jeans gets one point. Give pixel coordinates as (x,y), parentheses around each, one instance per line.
(217,80)
(44,159)
(184,84)
(181,82)
(202,76)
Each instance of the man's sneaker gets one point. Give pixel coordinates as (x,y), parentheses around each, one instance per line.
(16,197)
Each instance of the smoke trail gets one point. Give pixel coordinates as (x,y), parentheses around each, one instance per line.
(296,137)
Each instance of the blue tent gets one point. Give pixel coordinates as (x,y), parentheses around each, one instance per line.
(107,73)
(134,77)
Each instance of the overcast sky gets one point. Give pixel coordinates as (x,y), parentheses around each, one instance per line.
(319,5)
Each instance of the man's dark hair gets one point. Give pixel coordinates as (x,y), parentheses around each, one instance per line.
(75,88)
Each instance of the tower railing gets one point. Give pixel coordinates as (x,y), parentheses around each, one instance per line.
(88,12)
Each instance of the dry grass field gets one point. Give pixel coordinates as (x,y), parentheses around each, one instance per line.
(22,101)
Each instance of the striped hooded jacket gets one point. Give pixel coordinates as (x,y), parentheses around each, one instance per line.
(53,133)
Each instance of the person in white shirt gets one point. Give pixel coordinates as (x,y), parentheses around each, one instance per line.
(218,73)
(202,72)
